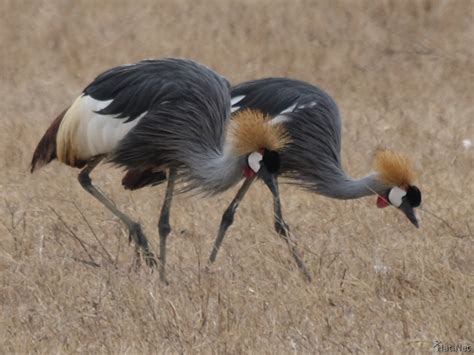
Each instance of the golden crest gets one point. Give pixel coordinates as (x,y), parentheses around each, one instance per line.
(252,130)
(394,168)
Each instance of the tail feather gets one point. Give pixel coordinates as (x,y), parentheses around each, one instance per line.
(45,152)
(137,178)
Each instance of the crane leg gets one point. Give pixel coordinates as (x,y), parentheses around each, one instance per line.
(135,230)
(283,230)
(228,217)
(164,223)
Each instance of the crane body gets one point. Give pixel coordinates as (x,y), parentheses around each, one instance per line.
(169,120)
(313,159)
(161,120)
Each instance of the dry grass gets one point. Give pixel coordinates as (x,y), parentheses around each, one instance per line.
(401,72)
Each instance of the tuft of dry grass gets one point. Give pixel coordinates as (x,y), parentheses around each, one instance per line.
(400,72)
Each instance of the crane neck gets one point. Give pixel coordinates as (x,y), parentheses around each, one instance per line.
(346,188)
(247,132)
(215,171)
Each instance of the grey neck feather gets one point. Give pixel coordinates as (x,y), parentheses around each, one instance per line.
(226,169)
(345,187)
(217,171)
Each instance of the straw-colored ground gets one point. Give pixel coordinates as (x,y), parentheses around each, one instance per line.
(402,73)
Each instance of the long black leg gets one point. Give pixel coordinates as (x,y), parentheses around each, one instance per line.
(283,230)
(134,228)
(228,217)
(164,223)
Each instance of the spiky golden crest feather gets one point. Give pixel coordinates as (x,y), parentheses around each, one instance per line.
(252,130)
(394,168)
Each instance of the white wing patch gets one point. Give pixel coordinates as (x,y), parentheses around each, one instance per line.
(311,104)
(281,117)
(234,101)
(84,133)
(288,109)
(104,132)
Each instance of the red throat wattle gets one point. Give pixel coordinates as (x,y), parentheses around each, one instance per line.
(248,173)
(382,202)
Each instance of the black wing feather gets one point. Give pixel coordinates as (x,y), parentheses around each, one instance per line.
(314,126)
(135,88)
(188,108)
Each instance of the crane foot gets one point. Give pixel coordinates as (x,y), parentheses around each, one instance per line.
(136,235)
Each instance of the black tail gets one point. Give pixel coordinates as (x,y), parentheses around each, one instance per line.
(46,149)
(136,178)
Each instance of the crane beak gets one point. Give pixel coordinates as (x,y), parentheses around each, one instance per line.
(268,179)
(408,210)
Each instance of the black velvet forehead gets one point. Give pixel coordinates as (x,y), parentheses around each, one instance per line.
(413,196)
(271,160)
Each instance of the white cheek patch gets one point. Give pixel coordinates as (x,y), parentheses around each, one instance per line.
(254,160)
(395,196)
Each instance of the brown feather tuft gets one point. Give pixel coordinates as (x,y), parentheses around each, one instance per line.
(45,152)
(394,168)
(251,131)
(137,178)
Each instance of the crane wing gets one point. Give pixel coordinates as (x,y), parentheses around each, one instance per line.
(134,89)
(188,108)
(311,118)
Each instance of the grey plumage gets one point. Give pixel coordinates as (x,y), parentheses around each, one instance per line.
(163,115)
(313,159)
(184,126)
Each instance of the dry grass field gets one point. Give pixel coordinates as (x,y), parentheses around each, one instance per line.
(402,74)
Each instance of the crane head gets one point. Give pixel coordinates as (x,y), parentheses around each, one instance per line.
(405,198)
(262,159)
(253,136)
(395,170)
(264,164)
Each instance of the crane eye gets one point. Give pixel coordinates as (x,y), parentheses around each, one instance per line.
(254,159)
(396,195)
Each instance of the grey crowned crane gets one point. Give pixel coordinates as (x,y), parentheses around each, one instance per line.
(160,120)
(313,158)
